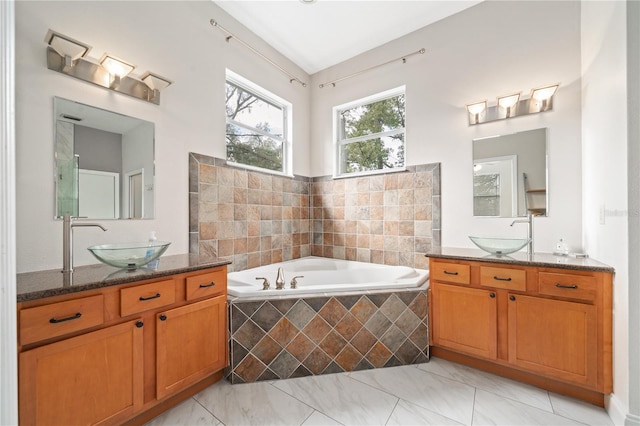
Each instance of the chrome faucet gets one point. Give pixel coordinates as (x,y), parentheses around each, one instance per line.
(529,222)
(67,241)
(280,279)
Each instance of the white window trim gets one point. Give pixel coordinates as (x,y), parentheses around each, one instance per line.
(287,128)
(338,143)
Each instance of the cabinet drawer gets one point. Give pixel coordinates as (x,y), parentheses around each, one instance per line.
(510,279)
(45,322)
(567,285)
(147,296)
(450,272)
(211,284)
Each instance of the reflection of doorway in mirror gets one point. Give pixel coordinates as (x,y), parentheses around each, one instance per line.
(134,191)
(495,186)
(99,194)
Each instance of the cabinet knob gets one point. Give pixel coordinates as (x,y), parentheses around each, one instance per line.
(492,295)
(139,324)
(163,317)
(512,297)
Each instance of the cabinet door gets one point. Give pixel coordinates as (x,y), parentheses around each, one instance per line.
(90,379)
(554,338)
(191,344)
(465,320)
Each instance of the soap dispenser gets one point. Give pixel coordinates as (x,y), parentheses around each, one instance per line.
(152,240)
(561,248)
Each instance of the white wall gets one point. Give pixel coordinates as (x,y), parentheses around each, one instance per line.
(604,135)
(173,39)
(136,145)
(481,53)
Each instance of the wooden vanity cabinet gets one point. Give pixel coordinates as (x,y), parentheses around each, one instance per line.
(121,353)
(547,326)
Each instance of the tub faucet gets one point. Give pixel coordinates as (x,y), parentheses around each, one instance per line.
(529,221)
(280,279)
(67,241)
(294,281)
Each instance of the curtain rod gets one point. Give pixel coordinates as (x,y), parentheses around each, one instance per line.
(402,58)
(292,78)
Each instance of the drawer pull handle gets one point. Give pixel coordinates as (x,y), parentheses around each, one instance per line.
(573,287)
(501,279)
(450,273)
(142,299)
(72,317)
(211,284)
(163,317)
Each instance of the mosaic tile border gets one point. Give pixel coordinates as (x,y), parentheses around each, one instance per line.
(287,338)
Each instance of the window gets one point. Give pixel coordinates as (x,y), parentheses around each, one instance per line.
(486,195)
(370,134)
(258,127)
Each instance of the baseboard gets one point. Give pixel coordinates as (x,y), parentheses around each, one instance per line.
(632,420)
(617,411)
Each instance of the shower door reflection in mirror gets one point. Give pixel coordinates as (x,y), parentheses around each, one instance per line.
(104,163)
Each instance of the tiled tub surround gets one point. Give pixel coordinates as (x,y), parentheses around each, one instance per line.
(287,338)
(391,219)
(250,217)
(257,219)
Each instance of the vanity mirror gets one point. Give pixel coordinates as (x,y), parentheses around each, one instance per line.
(510,175)
(104,163)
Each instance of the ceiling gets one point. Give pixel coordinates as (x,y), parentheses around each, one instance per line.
(322,33)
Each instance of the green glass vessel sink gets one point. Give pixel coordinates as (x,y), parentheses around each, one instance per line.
(129,255)
(500,246)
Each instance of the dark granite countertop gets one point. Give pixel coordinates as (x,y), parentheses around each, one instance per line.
(41,284)
(545,260)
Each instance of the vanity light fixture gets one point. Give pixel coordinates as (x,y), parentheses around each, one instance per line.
(69,56)
(475,110)
(509,106)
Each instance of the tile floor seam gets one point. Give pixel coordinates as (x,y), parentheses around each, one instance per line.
(207,410)
(516,400)
(473,405)
(392,411)
(296,398)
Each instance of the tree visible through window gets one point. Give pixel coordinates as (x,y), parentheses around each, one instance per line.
(486,195)
(371,135)
(256,128)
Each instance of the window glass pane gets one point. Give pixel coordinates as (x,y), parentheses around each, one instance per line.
(486,195)
(247,147)
(251,110)
(373,154)
(376,117)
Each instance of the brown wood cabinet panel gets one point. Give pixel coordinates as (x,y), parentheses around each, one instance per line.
(509,279)
(140,298)
(89,379)
(207,285)
(191,343)
(465,319)
(554,337)
(450,272)
(57,319)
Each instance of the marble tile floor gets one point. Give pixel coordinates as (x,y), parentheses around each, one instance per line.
(435,393)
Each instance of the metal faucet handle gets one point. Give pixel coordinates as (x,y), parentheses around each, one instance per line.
(294,282)
(280,279)
(265,283)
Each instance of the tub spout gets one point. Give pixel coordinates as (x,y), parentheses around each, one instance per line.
(280,279)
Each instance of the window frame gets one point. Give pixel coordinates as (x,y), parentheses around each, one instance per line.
(338,143)
(287,124)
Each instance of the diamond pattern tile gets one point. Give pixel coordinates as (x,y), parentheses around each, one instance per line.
(266,316)
(249,308)
(348,301)
(348,358)
(378,355)
(363,309)
(250,368)
(316,303)
(407,296)
(333,311)
(333,344)
(238,352)
(348,326)
(393,338)
(407,352)
(301,371)
(378,324)
(237,317)
(317,329)
(419,305)
(284,365)
(363,341)
(379,299)
(317,361)
(300,347)
(420,337)
(300,314)
(268,375)
(266,350)
(407,321)
(283,305)
(249,334)
(284,332)
(393,307)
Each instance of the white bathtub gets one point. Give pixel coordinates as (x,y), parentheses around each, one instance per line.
(324,276)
